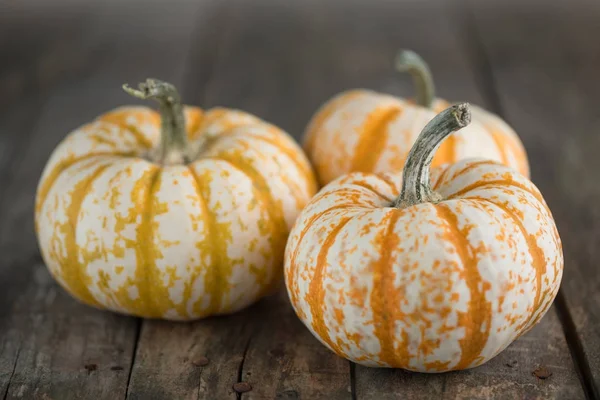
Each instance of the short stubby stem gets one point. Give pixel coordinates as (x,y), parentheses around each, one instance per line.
(411,62)
(173,148)
(416,187)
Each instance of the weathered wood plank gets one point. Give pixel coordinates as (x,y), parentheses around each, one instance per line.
(23,74)
(198,360)
(65,350)
(284,361)
(57,347)
(32,61)
(39,55)
(545,68)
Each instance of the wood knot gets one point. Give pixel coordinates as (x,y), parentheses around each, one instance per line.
(242,387)
(542,373)
(90,367)
(200,361)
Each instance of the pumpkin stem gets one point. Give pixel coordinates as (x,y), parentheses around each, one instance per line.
(416,187)
(411,62)
(173,147)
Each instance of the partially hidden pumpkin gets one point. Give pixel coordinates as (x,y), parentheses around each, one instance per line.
(425,272)
(178,221)
(366,131)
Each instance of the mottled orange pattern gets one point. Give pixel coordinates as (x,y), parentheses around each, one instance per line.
(431,287)
(366,131)
(120,231)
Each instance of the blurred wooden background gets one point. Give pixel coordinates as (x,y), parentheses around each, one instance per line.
(534,62)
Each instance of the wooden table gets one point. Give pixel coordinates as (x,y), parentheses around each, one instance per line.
(62,63)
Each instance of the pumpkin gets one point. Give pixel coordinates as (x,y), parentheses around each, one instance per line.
(426,272)
(365,131)
(181,221)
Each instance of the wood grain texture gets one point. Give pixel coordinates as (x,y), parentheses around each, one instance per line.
(52,46)
(171,357)
(284,361)
(63,349)
(535,63)
(545,71)
(24,290)
(55,347)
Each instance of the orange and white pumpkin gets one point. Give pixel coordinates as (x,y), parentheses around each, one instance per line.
(424,273)
(179,224)
(365,131)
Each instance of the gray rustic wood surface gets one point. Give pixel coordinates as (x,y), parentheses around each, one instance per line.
(62,63)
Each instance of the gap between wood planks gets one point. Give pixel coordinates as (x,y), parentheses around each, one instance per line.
(576,347)
(352,379)
(241,367)
(138,330)
(17,134)
(479,57)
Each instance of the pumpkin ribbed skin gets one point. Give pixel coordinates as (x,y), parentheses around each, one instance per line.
(431,287)
(365,131)
(171,241)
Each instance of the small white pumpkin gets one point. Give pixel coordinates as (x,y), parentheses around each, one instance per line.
(425,274)
(179,224)
(365,131)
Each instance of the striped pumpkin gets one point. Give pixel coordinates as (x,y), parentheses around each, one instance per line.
(179,224)
(427,273)
(366,131)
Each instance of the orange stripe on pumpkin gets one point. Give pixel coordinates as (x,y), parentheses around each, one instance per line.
(60,167)
(385,297)
(441,177)
(472,166)
(213,115)
(477,319)
(214,242)
(317,122)
(373,138)
(500,183)
(316,290)
(246,139)
(370,188)
(535,252)
(291,154)
(72,271)
(292,273)
(195,118)
(390,183)
(500,141)
(119,118)
(506,142)
(446,153)
(278,227)
(147,276)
